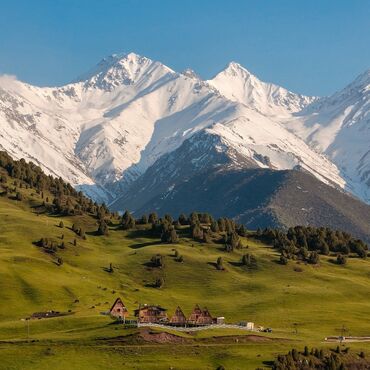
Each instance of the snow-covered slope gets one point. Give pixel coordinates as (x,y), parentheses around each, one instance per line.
(238,84)
(107,128)
(339,127)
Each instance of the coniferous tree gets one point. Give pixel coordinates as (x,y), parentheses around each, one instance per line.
(197,232)
(341,259)
(159,282)
(103,228)
(220,264)
(153,218)
(182,219)
(157,261)
(128,222)
(313,258)
(193,218)
(214,226)
(283,260)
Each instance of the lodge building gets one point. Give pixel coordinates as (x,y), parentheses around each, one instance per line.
(157,315)
(119,309)
(151,314)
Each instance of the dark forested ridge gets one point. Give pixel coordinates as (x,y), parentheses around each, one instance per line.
(264,198)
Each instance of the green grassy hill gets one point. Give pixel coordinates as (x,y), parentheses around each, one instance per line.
(315,301)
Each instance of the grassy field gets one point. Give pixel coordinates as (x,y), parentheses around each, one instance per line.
(302,303)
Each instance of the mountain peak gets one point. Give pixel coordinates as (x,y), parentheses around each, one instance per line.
(121,69)
(238,84)
(236,69)
(188,72)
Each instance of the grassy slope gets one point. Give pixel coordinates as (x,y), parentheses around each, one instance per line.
(320,299)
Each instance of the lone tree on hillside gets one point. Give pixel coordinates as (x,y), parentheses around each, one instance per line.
(341,260)
(157,261)
(159,282)
(220,264)
(61,224)
(102,228)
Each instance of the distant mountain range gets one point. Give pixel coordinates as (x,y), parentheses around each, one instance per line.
(133,131)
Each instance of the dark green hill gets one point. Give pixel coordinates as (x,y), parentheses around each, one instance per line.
(265,198)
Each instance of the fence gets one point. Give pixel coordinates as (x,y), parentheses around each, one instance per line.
(196,328)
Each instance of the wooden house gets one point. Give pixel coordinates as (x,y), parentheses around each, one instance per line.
(178,317)
(151,314)
(194,316)
(205,318)
(119,309)
(200,317)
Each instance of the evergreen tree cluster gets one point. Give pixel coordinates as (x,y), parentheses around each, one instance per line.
(232,241)
(306,243)
(336,359)
(49,246)
(66,201)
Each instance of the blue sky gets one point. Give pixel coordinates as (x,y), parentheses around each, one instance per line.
(312,47)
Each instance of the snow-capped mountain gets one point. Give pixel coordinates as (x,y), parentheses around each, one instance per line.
(339,127)
(107,128)
(238,84)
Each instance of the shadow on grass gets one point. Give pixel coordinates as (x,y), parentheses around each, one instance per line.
(235,264)
(143,245)
(151,285)
(93,233)
(107,269)
(214,264)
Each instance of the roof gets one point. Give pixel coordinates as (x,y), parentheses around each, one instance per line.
(158,308)
(115,302)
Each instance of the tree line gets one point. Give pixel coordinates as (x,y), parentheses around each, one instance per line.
(307,243)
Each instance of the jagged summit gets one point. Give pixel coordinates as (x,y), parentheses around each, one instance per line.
(188,72)
(239,84)
(234,69)
(122,69)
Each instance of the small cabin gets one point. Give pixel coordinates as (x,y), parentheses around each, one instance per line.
(200,317)
(194,316)
(178,317)
(119,309)
(151,314)
(205,318)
